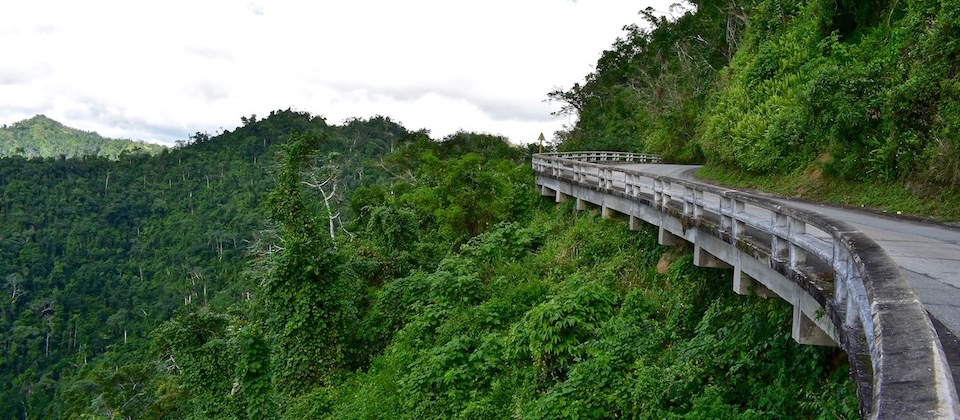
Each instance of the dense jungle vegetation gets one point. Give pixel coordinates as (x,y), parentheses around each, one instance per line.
(296,269)
(293,268)
(42,137)
(855,101)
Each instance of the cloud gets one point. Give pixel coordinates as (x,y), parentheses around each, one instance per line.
(12,113)
(12,73)
(121,69)
(210,91)
(497,106)
(101,115)
(11,76)
(46,29)
(210,53)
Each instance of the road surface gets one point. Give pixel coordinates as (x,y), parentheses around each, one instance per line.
(928,254)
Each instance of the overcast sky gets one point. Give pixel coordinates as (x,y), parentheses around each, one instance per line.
(161,70)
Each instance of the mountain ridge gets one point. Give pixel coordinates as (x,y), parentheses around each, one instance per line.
(44,137)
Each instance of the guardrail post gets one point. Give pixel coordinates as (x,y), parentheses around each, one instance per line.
(798,255)
(779,246)
(737,226)
(726,217)
(844,272)
(688,201)
(665,195)
(697,203)
(658,193)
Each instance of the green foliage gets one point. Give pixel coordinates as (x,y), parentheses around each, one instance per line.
(850,90)
(866,102)
(453,291)
(569,318)
(556,331)
(97,253)
(649,89)
(41,137)
(395,305)
(306,300)
(433,205)
(751,119)
(253,371)
(202,347)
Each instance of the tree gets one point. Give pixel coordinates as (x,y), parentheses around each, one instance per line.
(325,178)
(306,301)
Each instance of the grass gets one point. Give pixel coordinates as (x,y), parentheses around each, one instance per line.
(891,198)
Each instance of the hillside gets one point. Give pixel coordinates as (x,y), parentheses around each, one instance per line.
(296,269)
(96,253)
(824,99)
(45,138)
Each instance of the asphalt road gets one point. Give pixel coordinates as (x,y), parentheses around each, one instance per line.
(928,253)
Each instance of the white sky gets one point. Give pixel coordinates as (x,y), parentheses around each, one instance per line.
(161,70)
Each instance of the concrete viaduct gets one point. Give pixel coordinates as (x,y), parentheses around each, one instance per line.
(845,289)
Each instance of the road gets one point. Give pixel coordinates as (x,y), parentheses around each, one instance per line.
(928,254)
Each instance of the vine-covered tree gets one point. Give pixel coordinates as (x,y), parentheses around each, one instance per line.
(307,301)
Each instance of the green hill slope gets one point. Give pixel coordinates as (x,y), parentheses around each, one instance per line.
(206,282)
(848,96)
(96,253)
(42,137)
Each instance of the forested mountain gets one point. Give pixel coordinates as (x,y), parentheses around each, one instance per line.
(857,90)
(296,269)
(96,253)
(42,137)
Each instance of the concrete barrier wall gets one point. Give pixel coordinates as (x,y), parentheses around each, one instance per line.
(844,288)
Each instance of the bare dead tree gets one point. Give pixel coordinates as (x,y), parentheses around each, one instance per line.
(15,284)
(328,190)
(406,175)
(325,179)
(737,23)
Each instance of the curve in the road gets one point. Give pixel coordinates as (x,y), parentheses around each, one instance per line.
(907,373)
(928,253)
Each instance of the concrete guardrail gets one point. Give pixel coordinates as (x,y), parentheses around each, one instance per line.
(844,288)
